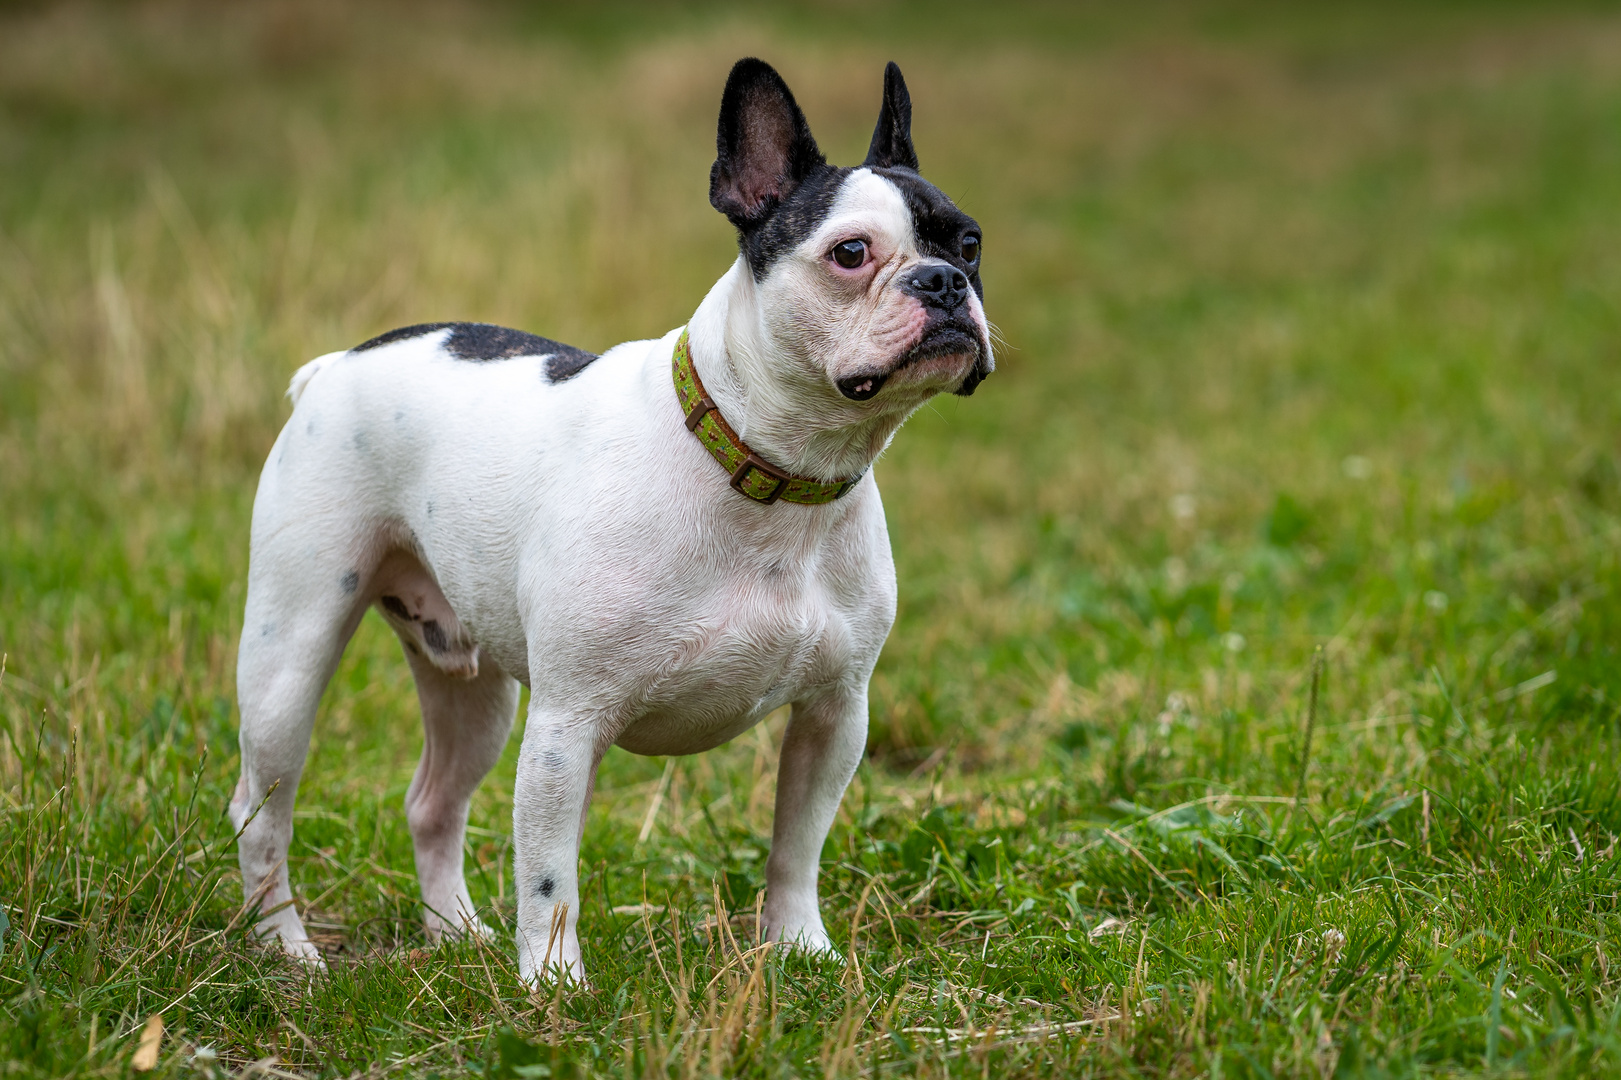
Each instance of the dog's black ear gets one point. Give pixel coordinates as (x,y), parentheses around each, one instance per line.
(763,147)
(892,138)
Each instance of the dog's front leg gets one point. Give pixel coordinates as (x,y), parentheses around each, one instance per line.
(820,752)
(556,771)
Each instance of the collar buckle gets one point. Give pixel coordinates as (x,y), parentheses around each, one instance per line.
(725,446)
(755,462)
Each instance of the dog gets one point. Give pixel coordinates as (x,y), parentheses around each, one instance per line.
(664,543)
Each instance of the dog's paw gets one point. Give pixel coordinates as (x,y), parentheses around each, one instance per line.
(810,940)
(285,930)
(544,980)
(304,952)
(470,926)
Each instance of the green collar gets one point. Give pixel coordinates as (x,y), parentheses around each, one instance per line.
(750,474)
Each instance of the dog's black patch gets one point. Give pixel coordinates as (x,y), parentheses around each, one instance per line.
(939,225)
(567,364)
(434,635)
(350,582)
(793,220)
(404,333)
(546,886)
(395,606)
(480,342)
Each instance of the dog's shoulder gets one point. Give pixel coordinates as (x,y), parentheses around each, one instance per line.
(484,342)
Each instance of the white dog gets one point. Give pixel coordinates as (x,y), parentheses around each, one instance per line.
(664,543)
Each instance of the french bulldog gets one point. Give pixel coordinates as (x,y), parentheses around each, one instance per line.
(665,542)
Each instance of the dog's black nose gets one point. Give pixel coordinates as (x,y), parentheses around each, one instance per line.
(937,284)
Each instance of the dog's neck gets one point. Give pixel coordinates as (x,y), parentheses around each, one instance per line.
(780,405)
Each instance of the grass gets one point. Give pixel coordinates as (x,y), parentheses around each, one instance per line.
(1313,345)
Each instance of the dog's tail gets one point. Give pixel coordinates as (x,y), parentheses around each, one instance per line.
(302,377)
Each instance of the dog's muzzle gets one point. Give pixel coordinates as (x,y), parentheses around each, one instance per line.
(942,289)
(946,338)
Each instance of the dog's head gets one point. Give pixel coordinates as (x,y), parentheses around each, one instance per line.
(867,278)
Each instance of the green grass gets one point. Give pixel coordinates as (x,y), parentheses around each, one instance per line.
(1314,341)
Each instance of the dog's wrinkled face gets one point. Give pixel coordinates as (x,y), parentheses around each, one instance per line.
(868,278)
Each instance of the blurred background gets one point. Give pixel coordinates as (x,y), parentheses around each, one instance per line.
(1311,322)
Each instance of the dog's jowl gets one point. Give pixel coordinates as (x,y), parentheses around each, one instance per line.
(664,543)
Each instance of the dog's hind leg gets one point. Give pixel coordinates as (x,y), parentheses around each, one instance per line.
(301,611)
(465,726)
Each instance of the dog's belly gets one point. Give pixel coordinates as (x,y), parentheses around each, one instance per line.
(717,680)
(662,734)
(705,709)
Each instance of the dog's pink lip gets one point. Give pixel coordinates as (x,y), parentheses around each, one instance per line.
(951,340)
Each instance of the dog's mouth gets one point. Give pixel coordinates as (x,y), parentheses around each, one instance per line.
(862,387)
(946,339)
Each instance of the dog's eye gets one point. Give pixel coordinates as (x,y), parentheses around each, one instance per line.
(970,248)
(850,254)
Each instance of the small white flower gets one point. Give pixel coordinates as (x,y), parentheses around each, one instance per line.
(1333,945)
(1233,642)
(1183,507)
(1436,601)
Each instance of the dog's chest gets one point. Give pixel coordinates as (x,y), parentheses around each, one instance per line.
(756,642)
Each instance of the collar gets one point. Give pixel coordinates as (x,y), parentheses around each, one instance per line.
(751,475)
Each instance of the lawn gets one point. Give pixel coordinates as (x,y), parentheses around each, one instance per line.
(1311,393)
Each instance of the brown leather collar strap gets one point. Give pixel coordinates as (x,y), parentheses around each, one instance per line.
(751,474)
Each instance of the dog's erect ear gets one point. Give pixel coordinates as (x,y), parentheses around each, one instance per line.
(892,138)
(763,147)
